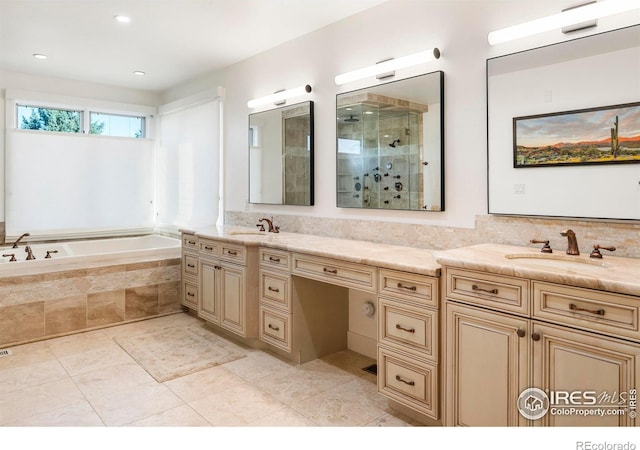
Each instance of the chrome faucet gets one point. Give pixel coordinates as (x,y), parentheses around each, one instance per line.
(29,253)
(572,249)
(272,228)
(15,244)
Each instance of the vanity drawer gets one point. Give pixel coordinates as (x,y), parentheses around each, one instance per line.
(408,328)
(332,271)
(411,287)
(408,381)
(603,312)
(274,289)
(233,253)
(491,291)
(189,265)
(275,259)
(190,295)
(207,247)
(275,328)
(189,242)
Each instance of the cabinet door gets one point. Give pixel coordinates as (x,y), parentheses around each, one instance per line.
(232,298)
(208,308)
(587,365)
(487,367)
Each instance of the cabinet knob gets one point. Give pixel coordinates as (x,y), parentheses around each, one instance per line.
(535,336)
(520,332)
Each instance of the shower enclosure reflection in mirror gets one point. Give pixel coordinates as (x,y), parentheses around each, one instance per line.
(390,146)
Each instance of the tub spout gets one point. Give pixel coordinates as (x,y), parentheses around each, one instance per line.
(29,253)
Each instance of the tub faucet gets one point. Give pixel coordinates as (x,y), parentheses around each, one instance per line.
(29,253)
(15,244)
(572,249)
(272,228)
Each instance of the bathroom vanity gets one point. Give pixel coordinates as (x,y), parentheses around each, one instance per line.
(461,333)
(516,318)
(291,292)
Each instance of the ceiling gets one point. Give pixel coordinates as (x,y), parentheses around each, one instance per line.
(170,40)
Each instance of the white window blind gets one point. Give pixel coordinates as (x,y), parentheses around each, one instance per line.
(188,165)
(63,185)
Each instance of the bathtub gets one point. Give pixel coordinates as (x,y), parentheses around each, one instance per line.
(89,253)
(87,285)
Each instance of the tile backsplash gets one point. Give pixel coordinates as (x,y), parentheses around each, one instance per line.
(488,228)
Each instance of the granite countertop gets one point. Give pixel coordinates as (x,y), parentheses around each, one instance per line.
(396,257)
(611,273)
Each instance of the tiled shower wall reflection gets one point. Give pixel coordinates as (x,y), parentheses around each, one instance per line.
(296,161)
(488,228)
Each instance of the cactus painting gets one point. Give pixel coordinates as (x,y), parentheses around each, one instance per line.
(578,137)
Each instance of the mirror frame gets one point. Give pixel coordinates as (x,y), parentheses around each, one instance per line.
(311,154)
(532,194)
(441,128)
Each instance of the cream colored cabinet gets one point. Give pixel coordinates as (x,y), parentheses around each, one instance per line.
(209,286)
(567,360)
(506,334)
(189,272)
(408,362)
(220,283)
(276,316)
(487,366)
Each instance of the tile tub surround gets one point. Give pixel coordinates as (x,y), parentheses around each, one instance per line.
(625,236)
(40,306)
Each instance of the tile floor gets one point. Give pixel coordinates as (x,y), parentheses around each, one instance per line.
(87,379)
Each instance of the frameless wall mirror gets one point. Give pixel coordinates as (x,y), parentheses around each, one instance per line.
(281,155)
(390,145)
(563,124)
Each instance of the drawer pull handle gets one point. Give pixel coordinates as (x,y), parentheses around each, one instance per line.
(192,242)
(408,330)
(232,252)
(274,328)
(488,291)
(191,265)
(191,294)
(272,259)
(208,248)
(410,383)
(333,271)
(274,289)
(410,288)
(574,307)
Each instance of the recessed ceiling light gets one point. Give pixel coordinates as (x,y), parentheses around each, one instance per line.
(139,73)
(122,19)
(39,56)
(368,112)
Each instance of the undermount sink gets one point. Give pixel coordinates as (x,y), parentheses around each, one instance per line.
(557,260)
(246,232)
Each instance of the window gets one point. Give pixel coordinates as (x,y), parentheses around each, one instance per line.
(31,117)
(117,125)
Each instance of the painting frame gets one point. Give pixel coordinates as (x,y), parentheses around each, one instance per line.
(555,139)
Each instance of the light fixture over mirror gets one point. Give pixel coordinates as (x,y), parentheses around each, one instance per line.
(388,66)
(281,155)
(279,97)
(584,13)
(390,145)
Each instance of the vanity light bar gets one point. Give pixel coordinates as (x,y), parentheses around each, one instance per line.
(279,96)
(566,18)
(388,66)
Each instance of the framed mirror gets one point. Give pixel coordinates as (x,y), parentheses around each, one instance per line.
(551,115)
(281,155)
(390,145)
